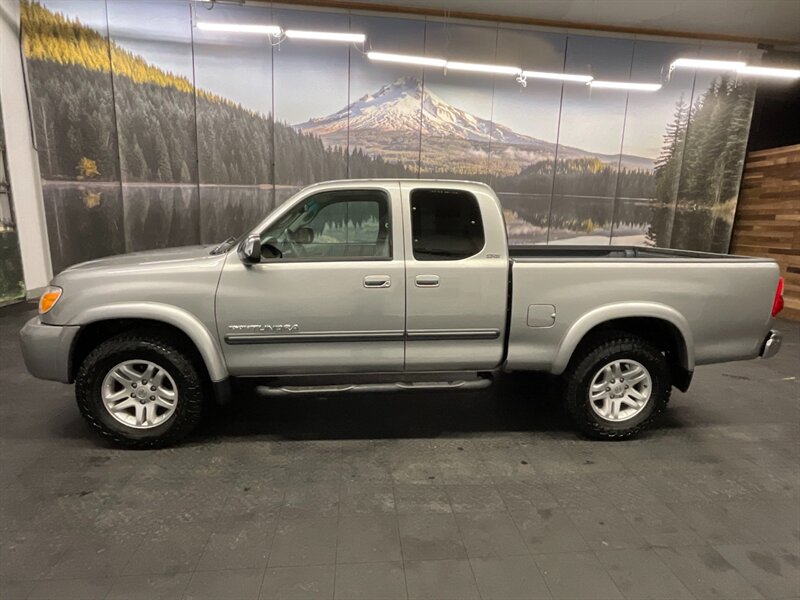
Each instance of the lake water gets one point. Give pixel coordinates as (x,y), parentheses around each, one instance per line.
(87,220)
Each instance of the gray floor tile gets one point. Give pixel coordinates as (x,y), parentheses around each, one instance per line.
(16,590)
(149,587)
(659,526)
(775,521)
(168,550)
(547,530)
(490,534)
(641,575)
(773,569)
(366,497)
(430,536)
(706,573)
(372,581)
(298,583)
(413,499)
(243,546)
(93,588)
(91,555)
(368,538)
(604,526)
(311,500)
(714,523)
(509,578)
(440,580)
(232,584)
(304,542)
(525,496)
(475,498)
(29,554)
(463,468)
(571,575)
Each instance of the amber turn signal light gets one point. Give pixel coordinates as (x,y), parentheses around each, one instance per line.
(49,299)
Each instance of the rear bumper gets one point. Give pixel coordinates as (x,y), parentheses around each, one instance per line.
(771,344)
(46,349)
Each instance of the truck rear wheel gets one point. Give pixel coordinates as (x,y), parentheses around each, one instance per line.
(140,390)
(616,386)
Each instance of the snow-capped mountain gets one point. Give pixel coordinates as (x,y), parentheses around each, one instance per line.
(388,122)
(402,106)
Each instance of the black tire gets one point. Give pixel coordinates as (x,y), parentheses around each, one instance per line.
(167,352)
(589,359)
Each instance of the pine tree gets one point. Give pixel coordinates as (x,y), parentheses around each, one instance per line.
(164,170)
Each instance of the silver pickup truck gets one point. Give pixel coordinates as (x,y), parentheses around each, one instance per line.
(383,285)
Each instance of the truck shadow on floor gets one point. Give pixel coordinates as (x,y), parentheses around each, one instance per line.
(514,403)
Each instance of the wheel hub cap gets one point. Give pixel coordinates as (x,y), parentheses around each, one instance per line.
(620,390)
(139,394)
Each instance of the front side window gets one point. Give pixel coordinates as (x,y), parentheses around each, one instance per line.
(445,224)
(341,224)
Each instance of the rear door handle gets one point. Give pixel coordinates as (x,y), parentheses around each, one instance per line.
(427,281)
(377,281)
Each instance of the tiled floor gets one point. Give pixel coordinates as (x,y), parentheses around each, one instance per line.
(480,495)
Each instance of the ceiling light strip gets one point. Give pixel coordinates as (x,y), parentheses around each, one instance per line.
(769,72)
(328,36)
(557,76)
(625,85)
(705,64)
(240,28)
(407,59)
(482,68)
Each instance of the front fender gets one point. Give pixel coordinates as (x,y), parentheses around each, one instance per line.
(206,344)
(610,312)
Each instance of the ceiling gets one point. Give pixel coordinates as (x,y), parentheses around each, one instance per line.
(768,21)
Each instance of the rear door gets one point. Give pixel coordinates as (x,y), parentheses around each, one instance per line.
(456,277)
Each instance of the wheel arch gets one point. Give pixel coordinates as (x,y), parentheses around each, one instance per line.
(658,323)
(100,323)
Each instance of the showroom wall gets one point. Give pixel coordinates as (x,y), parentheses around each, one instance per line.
(152,132)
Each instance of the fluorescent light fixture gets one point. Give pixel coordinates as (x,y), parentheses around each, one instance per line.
(407,59)
(769,72)
(711,65)
(240,28)
(626,85)
(480,68)
(558,76)
(328,36)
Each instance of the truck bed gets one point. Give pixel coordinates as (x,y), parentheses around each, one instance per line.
(720,303)
(526,253)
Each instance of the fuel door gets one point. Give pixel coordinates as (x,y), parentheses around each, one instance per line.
(541,315)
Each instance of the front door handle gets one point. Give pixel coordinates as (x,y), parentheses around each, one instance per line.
(377,281)
(427,281)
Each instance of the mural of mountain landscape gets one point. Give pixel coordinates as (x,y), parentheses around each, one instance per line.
(389,121)
(139,148)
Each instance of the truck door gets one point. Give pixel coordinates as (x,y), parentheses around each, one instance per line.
(335,300)
(456,277)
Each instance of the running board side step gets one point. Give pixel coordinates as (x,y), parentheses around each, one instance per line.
(354,388)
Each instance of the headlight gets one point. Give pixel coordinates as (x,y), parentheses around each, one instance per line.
(49,299)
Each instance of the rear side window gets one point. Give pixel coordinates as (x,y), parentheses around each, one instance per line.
(445,224)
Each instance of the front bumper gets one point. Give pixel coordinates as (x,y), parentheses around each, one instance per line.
(46,349)
(771,344)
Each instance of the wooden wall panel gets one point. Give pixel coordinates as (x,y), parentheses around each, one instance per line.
(768,216)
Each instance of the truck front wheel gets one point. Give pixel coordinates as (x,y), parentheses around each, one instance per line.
(616,386)
(140,390)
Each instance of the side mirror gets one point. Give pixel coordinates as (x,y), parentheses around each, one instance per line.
(250,250)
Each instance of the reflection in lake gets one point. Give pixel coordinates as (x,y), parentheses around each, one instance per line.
(87,220)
